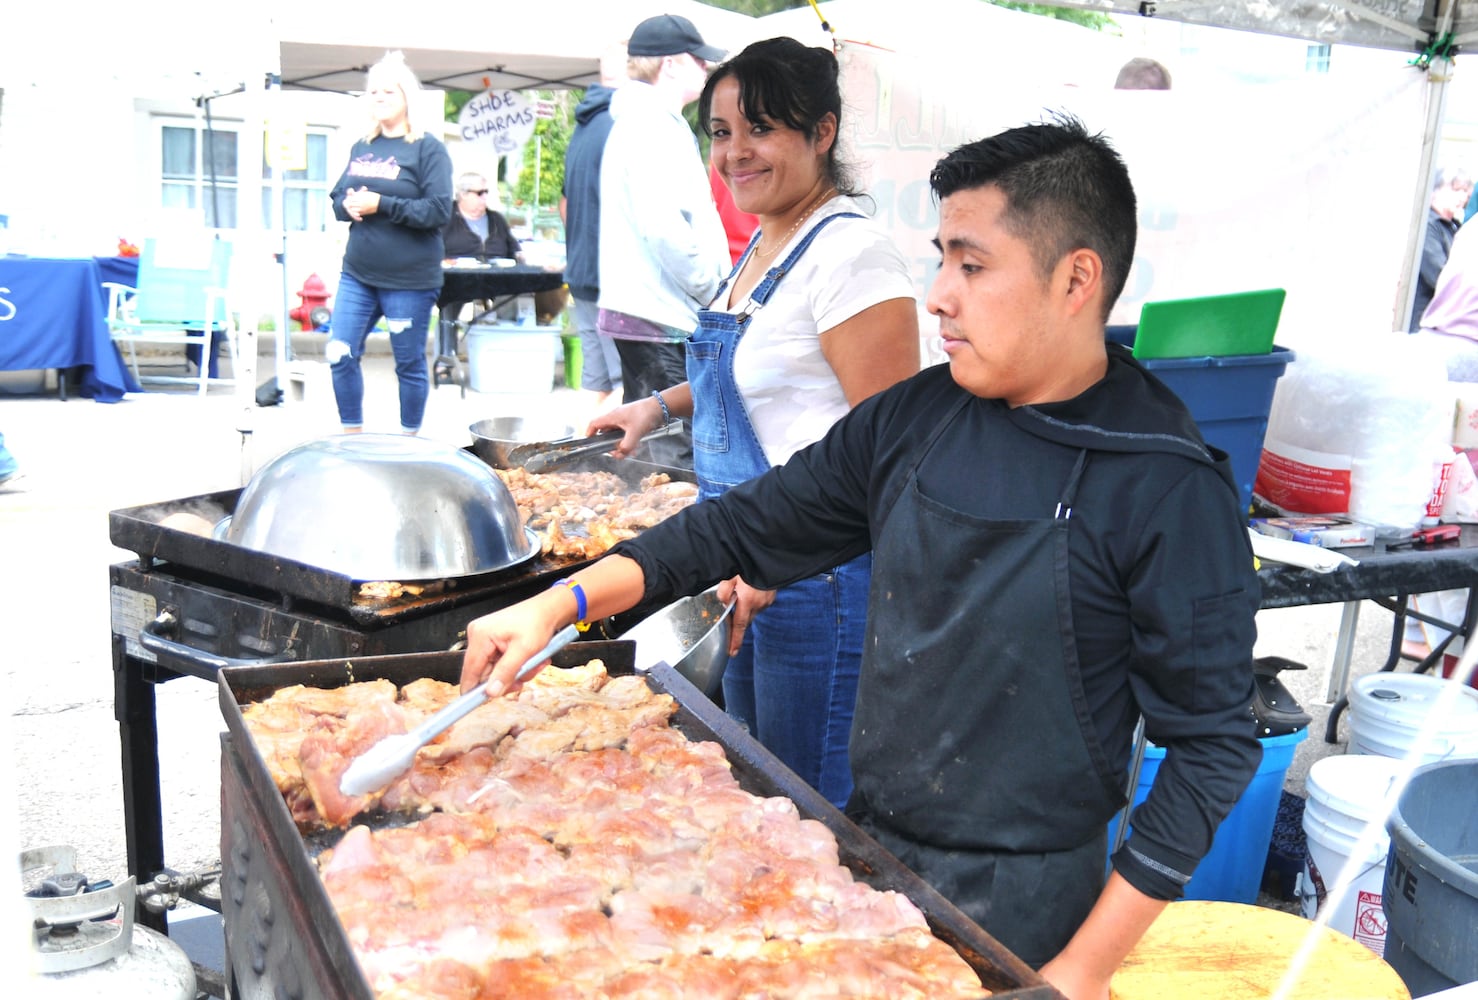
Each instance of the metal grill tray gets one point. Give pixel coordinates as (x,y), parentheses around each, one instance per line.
(138,530)
(282,931)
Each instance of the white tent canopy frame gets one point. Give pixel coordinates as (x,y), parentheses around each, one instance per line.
(1410,25)
(514,46)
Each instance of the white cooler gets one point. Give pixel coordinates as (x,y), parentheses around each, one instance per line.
(508,358)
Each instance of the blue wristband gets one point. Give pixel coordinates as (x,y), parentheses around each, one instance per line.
(666,413)
(581,605)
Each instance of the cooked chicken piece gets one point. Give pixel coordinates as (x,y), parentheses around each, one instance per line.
(427,697)
(438,979)
(278,723)
(332,745)
(648,926)
(388,590)
(580,515)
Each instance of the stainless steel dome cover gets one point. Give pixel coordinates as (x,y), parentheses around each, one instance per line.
(382,507)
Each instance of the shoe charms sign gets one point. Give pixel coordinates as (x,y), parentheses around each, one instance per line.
(499,121)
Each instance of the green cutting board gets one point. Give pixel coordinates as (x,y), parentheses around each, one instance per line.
(1209,326)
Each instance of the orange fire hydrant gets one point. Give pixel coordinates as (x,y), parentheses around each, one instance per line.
(312,311)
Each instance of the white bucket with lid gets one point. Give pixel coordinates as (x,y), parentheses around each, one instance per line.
(1391,713)
(1344,804)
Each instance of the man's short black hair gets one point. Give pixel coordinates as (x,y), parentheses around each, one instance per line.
(1065,190)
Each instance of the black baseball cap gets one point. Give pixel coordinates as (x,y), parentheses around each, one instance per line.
(670,35)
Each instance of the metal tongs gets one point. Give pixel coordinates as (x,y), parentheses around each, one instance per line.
(393,756)
(542,456)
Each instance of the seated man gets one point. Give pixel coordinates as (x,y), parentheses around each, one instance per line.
(474,230)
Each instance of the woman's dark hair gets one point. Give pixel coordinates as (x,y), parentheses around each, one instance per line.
(1064,189)
(786,83)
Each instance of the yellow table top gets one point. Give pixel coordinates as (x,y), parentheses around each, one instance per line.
(1212,950)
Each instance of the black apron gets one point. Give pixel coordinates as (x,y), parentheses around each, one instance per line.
(975,757)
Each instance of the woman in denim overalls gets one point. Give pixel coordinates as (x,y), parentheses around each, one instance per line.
(817,315)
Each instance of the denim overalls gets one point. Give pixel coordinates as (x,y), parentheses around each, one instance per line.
(794,681)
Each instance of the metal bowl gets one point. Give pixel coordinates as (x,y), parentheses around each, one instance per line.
(691,635)
(382,507)
(495,437)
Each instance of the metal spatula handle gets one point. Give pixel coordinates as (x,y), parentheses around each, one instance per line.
(539,458)
(393,756)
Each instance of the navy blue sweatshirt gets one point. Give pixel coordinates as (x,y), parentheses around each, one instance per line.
(400,245)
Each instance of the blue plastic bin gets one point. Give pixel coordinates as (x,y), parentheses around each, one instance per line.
(1233,869)
(1229,397)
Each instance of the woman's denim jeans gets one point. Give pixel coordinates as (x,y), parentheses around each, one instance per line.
(794,681)
(407,312)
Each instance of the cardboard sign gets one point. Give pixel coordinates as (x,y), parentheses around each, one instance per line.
(499,120)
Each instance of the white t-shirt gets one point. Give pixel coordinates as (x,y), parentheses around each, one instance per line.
(790,390)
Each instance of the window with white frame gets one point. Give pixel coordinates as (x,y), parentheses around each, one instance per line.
(199,170)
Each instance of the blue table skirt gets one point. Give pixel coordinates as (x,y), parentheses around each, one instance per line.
(53,315)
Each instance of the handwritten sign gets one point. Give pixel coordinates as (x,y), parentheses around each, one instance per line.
(501,120)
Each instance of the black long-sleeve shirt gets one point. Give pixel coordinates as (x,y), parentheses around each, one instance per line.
(1163,588)
(398,246)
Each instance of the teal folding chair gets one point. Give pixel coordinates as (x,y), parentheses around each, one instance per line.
(180,300)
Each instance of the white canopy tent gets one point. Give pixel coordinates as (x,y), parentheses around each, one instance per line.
(502,46)
(1319,185)
(1434,29)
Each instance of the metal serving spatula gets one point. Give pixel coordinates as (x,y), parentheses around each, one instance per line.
(393,756)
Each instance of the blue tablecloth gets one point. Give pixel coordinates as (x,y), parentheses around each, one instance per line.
(53,315)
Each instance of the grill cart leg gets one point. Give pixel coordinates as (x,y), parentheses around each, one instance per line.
(143,812)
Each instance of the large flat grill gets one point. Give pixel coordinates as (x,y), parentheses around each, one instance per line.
(188,606)
(283,937)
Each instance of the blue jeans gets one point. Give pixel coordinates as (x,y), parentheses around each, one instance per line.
(794,681)
(407,312)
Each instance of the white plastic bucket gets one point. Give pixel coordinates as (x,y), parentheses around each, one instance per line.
(1345,796)
(511,359)
(1391,713)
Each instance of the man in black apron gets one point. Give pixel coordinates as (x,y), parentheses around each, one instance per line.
(1055,551)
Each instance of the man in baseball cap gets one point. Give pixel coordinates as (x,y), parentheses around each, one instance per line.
(662,250)
(671,35)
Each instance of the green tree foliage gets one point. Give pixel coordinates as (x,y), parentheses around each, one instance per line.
(755,8)
(454,101)
(1088,18)
(553,136)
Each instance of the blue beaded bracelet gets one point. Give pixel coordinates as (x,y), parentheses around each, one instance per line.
(581,605)
(666,413)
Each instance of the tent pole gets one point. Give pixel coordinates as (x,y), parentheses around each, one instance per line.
(1439,73)
(1439,66)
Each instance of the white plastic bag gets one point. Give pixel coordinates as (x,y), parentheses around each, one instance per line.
(1353,427)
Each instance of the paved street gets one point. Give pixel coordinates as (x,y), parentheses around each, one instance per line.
(83,459)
